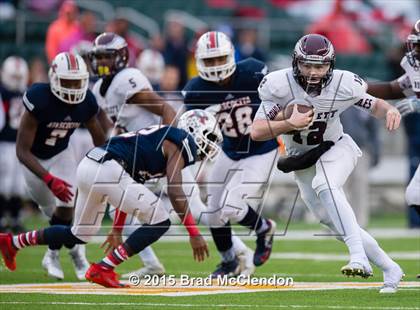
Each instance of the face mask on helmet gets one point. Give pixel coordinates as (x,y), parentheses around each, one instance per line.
(109,54)
(215,57)
(313,62)
(69,78)
(203,127)
(413,46)
(15,74)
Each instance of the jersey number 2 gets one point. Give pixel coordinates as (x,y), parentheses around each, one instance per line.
(316,136)
(54,135)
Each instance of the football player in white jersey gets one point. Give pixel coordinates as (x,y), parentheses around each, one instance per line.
(128,99)
(408,85)
(312,81)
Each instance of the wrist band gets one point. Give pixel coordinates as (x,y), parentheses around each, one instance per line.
(189,224)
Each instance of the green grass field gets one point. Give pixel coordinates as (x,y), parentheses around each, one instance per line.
(177,259)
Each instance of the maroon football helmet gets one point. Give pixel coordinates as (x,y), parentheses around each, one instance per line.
(109,54)
(413,46)
(314,49)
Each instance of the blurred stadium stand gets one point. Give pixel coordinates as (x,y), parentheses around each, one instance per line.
(277,30)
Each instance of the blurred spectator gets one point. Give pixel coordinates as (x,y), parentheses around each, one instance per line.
(364,129)
(152,64)
(247,45)
(341,30)
(246,41)
(37,71)
(120,26)
(64,26)
(86,31)
(7,10)
(176,49)
(169,89)
(14,81)
(43,6)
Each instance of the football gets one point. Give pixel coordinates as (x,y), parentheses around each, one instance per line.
(288,110)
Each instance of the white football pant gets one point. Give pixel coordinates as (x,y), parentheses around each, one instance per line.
(99,183)
(63,166)
(233,186)
(412,194)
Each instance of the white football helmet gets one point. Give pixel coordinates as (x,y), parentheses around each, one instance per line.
(152,64)
(210,45)
(66,69)
(203,127)
(15,74)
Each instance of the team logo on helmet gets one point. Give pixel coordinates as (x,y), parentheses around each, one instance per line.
(203,127)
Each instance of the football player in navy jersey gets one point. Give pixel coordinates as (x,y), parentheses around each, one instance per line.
(229,90)
(53,112)
(118,170)
(14,80)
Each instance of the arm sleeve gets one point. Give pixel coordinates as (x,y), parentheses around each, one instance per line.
(360,98)
(270,103)
(30,101)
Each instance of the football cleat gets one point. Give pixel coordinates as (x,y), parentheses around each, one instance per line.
(246,262)
(357,269)
(392,278)
(264,244)
(226,269)
(104,276)
(51,263)
(149,269)
(8,251)
(78,258)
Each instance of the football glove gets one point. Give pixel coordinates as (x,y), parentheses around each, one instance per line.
(60,188)
(303,161)
(407,106)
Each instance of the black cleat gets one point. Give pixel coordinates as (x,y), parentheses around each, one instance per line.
(227,269)
(264,244)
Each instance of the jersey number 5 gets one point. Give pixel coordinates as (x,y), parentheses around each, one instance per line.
(54,135)
(315,136)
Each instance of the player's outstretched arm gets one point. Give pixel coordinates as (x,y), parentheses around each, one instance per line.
(174,164)
(383,109)
(151,101)
(385,90)
(96,131)
(25,139)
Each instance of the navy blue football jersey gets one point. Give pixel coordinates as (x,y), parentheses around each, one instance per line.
(237,103)
(141,151)
(13,109)
(57,120)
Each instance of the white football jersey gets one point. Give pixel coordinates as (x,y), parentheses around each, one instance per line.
(124,85)
(410,81)
(344,90)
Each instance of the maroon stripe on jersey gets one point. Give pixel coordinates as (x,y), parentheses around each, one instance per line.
(212,38)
